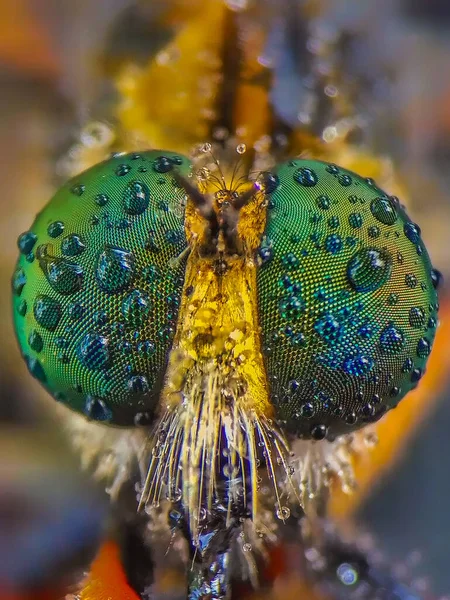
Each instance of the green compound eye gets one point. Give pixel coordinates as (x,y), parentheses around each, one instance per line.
(346,296)
(98,261)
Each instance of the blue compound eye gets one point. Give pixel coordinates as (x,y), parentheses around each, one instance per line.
(97,287)
(347,299)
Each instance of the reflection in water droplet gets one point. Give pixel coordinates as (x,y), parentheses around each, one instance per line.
(345,180)
(369,269)
(323,202)
(101,199)
(35,341)
(358,365)
(22,308)
(47,311)
(136,198)
(291,307)
(93,351)
(355,220)
(55,229)
(36,369)
(96,409)
(78,190)
(115,269)
(72,245)
(411,280)
(122,170)
(75,311)
(64,277)
(136,307)
(392,339)
(270,181)
(423,347)
(305,176)
(138,384)
(329,327)
(333,243)
(26,242)
(18,281)
(384,210)
(162,164)
(412,232)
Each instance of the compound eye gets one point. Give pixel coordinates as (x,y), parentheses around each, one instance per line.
(97,286)
(347,301)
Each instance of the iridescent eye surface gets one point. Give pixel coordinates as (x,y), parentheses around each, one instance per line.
(98,283)
(346,298)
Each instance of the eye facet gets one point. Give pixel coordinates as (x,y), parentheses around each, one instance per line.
(347,301)
(97,285)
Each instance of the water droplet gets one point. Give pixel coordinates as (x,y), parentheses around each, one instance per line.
(436,278)
(374,231)
(412,232)
(146,348)
(55,229)
(345,180)
(333,222)
(35,341)
(384,210)
(136,198)
(136,307)
(392,299)
(18,281)
(333,243)
(47,311)
(416,375)
(26,242)
(290,261)
(241,148)
(318,432)
(61,342)
(143,419)
(369,269)
(101,199)
(138,384)
(323,202)
(329,327)
(93,351)
(291,307)
(305,176)
(347,574)
(115,269)
(355,220)
(174,237)
(392,339)
(151,273)
(358,365)
(64,277)
(283,512)
(78,189)
(96,409)
(270,181)
(265,254)
(72,245)
(22,308)
(307,410)
(332,169)
(122,170)
(36,369)
(411,280)
(75,311)
(162,164)
(423,347)
(100,318)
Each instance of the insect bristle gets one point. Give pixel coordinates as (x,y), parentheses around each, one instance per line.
(208,450)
